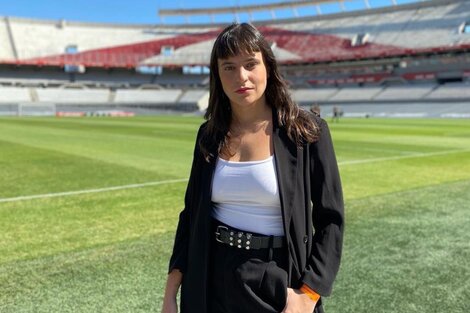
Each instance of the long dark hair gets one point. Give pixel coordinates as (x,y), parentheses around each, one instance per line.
(245,38)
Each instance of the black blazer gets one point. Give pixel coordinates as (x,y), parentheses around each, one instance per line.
(306,175)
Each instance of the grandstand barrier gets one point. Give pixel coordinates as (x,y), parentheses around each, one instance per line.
(36,109)
(398,110)
(8,109)
(101,113)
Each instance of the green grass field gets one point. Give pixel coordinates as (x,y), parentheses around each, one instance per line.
(71,243)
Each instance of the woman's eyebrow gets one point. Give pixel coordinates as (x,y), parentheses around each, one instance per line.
(249,59)
(227,63)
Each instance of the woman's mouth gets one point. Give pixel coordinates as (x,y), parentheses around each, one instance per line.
(242,90)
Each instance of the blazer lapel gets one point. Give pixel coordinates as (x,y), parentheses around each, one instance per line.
(285,152)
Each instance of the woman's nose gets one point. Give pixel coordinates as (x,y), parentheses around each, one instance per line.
(242,74)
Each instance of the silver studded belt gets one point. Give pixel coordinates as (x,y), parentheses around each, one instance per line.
(245,240)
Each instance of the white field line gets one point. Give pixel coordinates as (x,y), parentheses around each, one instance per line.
(399,157)
(78,192)
(164,182)
(402,152)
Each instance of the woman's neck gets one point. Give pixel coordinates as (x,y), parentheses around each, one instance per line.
(252,119)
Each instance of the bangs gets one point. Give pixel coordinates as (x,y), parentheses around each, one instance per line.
(237,41)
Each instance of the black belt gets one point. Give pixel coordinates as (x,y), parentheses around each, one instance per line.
(245,240)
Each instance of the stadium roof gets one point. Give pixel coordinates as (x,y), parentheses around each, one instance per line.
(275,7)
(246,8)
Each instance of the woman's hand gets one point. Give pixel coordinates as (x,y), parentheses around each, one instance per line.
(298,302)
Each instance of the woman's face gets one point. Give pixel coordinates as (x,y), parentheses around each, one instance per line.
(244,79)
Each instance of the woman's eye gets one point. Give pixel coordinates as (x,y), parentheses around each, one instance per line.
(250,65)
(228,68)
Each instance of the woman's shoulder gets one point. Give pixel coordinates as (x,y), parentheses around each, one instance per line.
(201,129)
(317,123)
(314,117)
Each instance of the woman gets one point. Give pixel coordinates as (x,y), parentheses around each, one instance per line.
(249,239)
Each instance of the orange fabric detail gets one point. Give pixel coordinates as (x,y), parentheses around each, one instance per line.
(309,292)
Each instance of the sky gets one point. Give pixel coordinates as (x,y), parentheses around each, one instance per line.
(146,11)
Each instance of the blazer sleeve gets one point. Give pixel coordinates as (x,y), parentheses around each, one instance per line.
(178,259)
(327,215)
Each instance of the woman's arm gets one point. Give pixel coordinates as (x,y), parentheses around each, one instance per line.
(327,215)
(171,290)
(178,258)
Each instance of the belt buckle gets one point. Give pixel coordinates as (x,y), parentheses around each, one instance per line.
(217,233)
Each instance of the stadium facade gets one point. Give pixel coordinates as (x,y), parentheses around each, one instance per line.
(404,60)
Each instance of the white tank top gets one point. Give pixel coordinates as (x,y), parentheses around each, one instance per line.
(245,195)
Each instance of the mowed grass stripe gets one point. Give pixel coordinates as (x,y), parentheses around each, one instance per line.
(122,277)
(400,250)
(170,181)
(30,170)
(36,228)
(140,127)
(417,133)
(404,248)
(400,157)
(143,153)
(352,148)
(107,252)
(406,126)
(375,178)
(359,181)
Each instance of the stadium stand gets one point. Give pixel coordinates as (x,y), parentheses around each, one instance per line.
(41,38)
(60,95)
(356,94)
(406,92)
(403,110)
(451,91)
(147,96)
(313,96)
(413,53)
(191,97)
(430,26)
(14,95)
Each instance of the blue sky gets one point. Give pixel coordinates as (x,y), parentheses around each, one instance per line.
(145,11)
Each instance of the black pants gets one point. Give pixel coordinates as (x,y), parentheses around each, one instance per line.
(246,281)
